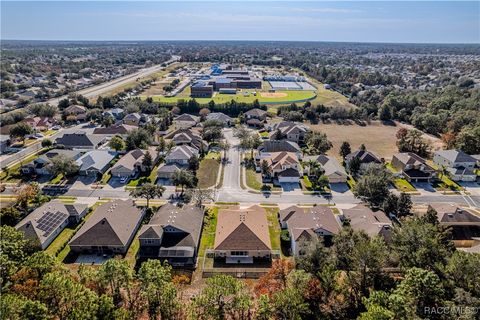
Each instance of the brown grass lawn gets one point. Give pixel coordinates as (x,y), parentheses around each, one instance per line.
(377,137)
(207,173)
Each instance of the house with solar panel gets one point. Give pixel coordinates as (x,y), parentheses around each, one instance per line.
(46,222)
(173,235)
(109,230)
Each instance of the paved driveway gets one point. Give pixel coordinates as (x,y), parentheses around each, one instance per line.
(472,187)
(83,181)
(340,189)
(424,187)
(291,186)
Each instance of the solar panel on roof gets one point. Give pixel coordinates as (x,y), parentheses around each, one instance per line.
(50,221)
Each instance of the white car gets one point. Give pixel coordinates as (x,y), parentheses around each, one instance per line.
(57,127)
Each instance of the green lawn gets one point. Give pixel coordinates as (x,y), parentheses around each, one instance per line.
(351,182)
(446,184)
(291,96)
(106,177)
(306,183)
(389,166)
(264,134)
(207,173)
(253,179)
(131,255)
(152,177)
(273,227)
(60,240)
(208,235)
(57,179)
(403,185)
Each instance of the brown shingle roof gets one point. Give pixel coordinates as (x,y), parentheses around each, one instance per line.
(242,229)
(318,217)
(112,224)
(363,218)
(452,214)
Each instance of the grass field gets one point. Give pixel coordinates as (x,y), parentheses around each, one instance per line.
(208,235)
(253,179)
(377,137)
(289,96)
(207,173)
(403,185)
(273,227)
(329,98)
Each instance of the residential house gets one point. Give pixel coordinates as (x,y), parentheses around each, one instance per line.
(187,137)
(186,121)
(95,162)
(270,146)
(40,123)
(173,235)
(242,236)
(333,170)
(110,229)
(39,166)
(167,171)
(373,223)
(306,226)
(413,167)
(253,122)
(132,119)
(256,113)
(459,165)
(365,158)
(75,113)
(291,131)
(218,116)
(131,164)
(115,113)
(285,214)
(283,166)
(4,143)
(46,222)
(180,155)
(463,223)
(80,140)
(116,130)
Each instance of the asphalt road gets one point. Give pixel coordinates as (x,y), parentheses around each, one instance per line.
(9,159)
(118,82)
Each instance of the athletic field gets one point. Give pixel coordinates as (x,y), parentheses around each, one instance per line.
(278,97)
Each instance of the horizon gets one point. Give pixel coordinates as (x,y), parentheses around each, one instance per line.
(380,22)
(246,40)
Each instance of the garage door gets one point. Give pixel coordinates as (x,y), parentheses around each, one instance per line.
(287,179)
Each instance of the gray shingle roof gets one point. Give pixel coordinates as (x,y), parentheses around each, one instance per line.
(95,159)
(189,219)
(456,156)
(79,139)
(31,224)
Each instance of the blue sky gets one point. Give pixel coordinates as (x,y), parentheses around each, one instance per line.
(378,21)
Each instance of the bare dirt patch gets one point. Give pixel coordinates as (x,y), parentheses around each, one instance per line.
(377,137)
(273,94)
